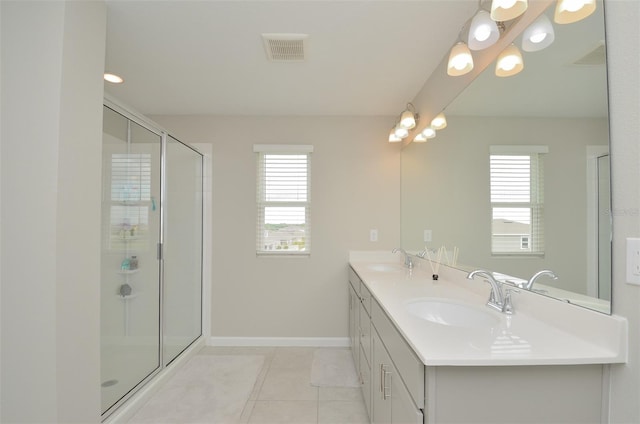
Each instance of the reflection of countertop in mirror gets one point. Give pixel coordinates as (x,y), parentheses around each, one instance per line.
(543,331)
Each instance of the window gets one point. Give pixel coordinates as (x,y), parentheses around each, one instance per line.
(517,201)
(283,199)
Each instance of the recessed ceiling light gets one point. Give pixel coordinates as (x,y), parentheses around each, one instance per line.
(113,78)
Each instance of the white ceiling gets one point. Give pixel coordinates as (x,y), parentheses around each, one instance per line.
(365,57)
(206,57)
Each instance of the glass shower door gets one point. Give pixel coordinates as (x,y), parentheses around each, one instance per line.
(130,270)
(182,294)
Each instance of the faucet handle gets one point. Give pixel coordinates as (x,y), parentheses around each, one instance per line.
(507,308)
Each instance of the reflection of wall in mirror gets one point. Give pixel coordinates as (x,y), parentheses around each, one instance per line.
(445,188)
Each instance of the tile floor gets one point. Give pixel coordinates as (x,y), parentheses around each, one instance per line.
(283,392)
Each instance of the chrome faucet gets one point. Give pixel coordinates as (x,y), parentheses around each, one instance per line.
(407,258)
(537,275)
(496,298)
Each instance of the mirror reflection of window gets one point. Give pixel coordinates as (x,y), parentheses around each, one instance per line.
(517,200)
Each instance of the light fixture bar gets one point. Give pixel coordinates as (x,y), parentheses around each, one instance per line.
(483,31)
(570,11)
(439,122)
(460,60)
(509,62)
(506,10)
(409,117)
(538,35)
(393,138)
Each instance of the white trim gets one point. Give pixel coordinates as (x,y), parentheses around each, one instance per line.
(593,152)
(280,341)
(517,149)
(207,239)
(279,148)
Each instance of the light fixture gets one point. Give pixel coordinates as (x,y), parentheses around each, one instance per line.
(393,138)
(409,117)
(401,132)
(483,31)
(505,10)
(570,11)
(429,132)
(439,122)
(538,35)
(113,78)
(460,60)
(509,62)
(420,138)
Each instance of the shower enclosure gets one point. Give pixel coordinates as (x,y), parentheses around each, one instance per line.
(151,267)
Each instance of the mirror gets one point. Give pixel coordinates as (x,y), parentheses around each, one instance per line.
(558,106)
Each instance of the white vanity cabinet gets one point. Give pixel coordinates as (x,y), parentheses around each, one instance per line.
(374,340)
(360,333)
(398,375)
(428,374)
(392,402)
(354,324)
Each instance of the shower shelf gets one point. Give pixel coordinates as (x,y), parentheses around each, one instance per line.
(127,297)
(128,271)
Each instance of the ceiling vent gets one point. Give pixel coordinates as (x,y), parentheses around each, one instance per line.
(285,47)
(595,56)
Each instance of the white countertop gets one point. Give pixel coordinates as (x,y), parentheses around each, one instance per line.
(542,331)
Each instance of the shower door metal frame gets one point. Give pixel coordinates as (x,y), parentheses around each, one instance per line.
(156,129)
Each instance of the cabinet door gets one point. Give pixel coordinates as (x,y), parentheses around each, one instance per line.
(365,380)
(391,400)
(403,410)
(365,332)
(380,382)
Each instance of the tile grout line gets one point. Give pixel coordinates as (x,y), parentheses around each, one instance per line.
(245,416)
(317,401)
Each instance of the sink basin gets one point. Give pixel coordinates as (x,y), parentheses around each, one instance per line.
(385,267)
(452,313)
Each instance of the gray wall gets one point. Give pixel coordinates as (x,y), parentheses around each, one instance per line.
(445,188)
(50,310)
(623,34)
(355,180)
(52,88)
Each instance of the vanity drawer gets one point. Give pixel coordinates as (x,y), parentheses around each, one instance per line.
(361,290)
(410,368)
(365,296)
(354,280)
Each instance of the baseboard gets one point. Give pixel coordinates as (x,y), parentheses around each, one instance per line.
(280,341)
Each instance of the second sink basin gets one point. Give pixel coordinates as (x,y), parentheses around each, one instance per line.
(452,313)
(383,267)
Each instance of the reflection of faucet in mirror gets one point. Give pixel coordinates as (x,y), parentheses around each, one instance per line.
(407,259)
(496,298)
(537,275)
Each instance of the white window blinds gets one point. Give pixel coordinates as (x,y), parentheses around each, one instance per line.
(283,199)
(130,180)
(130,177)
(517,200)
